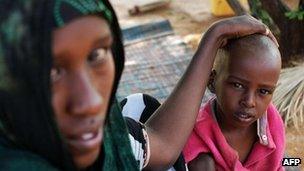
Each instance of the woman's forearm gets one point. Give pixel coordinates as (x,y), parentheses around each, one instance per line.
(174,120)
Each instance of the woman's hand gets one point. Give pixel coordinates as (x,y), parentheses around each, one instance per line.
(236,27)
(203,161)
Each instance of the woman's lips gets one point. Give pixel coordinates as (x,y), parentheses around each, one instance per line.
(85,142)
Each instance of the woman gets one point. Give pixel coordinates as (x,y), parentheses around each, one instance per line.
(60,66)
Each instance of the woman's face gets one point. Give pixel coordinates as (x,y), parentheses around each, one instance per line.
(82,79)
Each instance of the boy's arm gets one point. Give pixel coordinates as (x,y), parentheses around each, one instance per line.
(170,126)
(202,162)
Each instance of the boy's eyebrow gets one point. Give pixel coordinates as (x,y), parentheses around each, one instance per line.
(272,87)
(237,78)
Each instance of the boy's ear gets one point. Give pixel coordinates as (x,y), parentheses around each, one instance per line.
(211,82)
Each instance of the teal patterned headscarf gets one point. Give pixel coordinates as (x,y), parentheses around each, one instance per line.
(28,129)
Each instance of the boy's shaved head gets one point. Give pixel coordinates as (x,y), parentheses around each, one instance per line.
(245,76)
(256,46)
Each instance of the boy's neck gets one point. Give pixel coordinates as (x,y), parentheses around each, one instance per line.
(244,131)
(241,139)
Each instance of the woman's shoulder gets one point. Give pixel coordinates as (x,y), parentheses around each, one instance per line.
(139,141)
(14,159)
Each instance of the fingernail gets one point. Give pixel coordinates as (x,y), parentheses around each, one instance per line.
(277,44)
(267,31)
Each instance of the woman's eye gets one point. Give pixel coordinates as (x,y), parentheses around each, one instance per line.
(56,73)
(237,85)
(264,92)
(98,56)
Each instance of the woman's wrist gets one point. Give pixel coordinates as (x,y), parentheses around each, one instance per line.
(212,39)
(219,31)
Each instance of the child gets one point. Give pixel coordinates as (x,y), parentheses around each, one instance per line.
(240,129)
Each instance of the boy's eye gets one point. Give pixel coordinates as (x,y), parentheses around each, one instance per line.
(56,73)
(237,85)
(98,56)
(264,92)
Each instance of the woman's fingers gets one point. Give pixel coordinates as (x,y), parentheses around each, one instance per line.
(255,26)
(271,36)
(237,27)
(246,25)
(266,30)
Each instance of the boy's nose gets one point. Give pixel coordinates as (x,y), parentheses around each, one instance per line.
(84,97)
(248,100)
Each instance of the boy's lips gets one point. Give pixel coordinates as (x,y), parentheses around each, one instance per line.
(243,116)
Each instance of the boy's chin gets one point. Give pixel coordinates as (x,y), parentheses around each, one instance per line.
(245,124)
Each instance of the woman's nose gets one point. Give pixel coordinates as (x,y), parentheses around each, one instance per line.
(248,100)
(84,97)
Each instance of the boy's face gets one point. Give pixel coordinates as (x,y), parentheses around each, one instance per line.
(245,85)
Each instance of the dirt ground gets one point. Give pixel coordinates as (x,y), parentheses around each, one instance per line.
(189,20)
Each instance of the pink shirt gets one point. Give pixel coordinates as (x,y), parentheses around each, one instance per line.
(207,137)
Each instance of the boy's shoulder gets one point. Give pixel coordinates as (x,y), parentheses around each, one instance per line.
(276,129)
(205,113)
(206,124)
(273,115)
